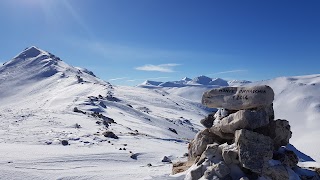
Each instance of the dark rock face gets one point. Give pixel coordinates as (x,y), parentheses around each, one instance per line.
(64,142)
(75,109)
(166,159)
(173,130)
(110,134)
(208,121)
(134,156)
(102,104)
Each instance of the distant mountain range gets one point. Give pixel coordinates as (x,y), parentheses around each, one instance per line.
(197,81)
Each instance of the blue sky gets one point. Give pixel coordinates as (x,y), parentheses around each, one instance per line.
(128,41)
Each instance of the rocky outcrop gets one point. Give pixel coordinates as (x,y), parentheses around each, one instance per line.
(110,134)
(242,140)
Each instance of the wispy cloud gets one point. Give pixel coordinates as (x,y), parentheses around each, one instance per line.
(226,72)
(160,68)
(117,79)
(154,78)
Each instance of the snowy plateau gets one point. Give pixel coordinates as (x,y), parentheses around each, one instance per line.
(54,119)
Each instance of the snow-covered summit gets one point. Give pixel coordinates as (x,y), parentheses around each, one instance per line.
(31,52)
(151,83)
(34,62)
(34,65)
(204,80)
(32,56)
(186,79)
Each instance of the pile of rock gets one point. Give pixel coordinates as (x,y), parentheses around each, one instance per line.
(242,139)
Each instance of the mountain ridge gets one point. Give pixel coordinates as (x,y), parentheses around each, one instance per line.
(196,81)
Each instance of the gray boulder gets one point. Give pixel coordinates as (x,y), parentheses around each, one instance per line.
(64,142)
(229,153)
(197,173)
(210,174)
(237,98)
(278,131)
(200,142)
(216,130)
(255,150)
(244,119)
(211,153)
(221,169)
(110,134)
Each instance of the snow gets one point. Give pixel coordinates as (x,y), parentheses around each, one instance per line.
(38,94)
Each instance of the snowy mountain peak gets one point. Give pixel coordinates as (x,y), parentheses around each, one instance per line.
(33,56)
(151,83)
(202,79)
(31,52)
(186,79)
(34,65)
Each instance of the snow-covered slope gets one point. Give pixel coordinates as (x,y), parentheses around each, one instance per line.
(38,96)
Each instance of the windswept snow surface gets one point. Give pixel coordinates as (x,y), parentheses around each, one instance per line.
(38,93)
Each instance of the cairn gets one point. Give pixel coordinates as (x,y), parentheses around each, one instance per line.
(242,140)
